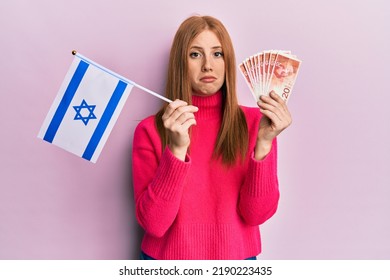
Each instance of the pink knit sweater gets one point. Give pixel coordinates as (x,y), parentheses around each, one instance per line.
(201,209)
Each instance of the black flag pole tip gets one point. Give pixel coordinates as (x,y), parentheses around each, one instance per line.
(74,52)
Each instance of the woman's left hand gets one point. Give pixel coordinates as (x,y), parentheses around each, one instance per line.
(276,118)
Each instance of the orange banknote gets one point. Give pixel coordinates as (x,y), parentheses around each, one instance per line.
(273,70)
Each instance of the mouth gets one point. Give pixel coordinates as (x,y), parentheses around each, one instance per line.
(208,79)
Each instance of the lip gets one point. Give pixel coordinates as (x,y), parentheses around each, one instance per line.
(208,79)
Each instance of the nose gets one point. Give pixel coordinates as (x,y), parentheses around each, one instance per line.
(206,67)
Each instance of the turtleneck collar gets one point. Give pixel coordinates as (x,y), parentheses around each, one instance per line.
(210,107)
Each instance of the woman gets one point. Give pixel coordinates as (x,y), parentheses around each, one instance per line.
(204,168)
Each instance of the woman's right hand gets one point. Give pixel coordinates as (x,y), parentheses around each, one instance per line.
(178,118)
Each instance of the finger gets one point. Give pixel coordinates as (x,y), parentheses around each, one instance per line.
(282,113)
(274,119)
(276,96)
(173,113)
(188,123)
(270,99)
(274,99)
(278,122)
(179,129)
(282,105)
(279,100)
(183,112)
(172,107)
(184,117)
(266,107)
(178,118)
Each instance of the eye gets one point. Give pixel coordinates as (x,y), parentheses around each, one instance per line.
(195,54)
(218,54)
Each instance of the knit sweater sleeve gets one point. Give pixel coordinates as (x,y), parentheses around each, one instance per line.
(259,195)
(158,180)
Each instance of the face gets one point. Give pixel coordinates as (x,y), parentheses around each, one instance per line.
(206,64)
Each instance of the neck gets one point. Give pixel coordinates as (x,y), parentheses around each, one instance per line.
(210,106)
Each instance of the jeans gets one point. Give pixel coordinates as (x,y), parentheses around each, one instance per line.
(144,256)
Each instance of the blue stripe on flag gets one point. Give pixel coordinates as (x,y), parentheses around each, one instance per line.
(65,101)
(105,119)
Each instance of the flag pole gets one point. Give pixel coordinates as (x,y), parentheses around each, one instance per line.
(152,92)
(128,81)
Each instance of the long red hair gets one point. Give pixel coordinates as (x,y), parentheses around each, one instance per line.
(232,140)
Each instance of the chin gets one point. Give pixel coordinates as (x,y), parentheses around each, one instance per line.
(203,93)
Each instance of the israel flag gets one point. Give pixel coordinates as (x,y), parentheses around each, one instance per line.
(85,109)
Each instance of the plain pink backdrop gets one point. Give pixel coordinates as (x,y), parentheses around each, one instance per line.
(334,161)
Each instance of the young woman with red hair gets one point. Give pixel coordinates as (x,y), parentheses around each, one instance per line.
(204,167)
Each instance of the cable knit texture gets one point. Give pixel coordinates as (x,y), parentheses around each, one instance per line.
(199,208)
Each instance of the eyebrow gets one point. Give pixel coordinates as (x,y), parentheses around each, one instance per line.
(200,48)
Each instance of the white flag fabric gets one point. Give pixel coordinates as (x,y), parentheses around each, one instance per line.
(85,109)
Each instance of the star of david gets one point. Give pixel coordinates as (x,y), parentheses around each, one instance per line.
(90,109)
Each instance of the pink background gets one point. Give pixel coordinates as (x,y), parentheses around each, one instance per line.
(334,161)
